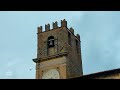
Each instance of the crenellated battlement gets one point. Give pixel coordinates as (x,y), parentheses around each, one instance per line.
(78,36)
(39,29)
(63,23)
(72,30)
(47,27)
(54,25)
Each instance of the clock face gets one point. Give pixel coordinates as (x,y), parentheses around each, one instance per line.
(51,74)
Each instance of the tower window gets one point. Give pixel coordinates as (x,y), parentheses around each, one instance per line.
(50,41)
(69,38)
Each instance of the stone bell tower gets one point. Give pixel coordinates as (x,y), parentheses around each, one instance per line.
(58,53)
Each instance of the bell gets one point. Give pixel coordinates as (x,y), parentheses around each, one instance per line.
(51,43)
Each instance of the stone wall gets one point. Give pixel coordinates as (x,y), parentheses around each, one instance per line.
(73,65)
(60,41)
(74,60)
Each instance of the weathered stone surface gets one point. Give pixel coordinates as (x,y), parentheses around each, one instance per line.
(55,25)
(69,65)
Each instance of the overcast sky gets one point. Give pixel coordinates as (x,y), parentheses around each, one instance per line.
(99,31)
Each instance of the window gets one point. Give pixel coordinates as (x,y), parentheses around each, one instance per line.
(50,41)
